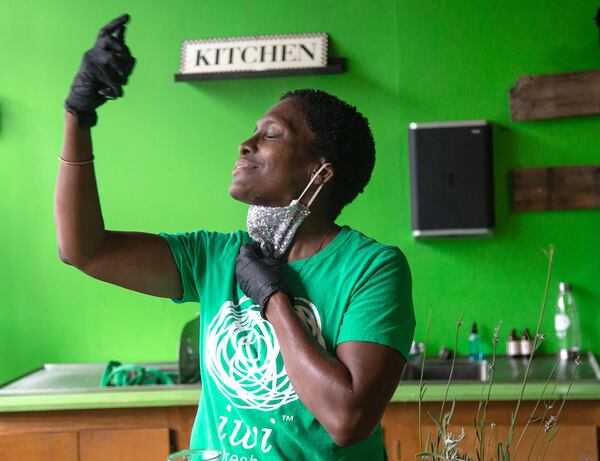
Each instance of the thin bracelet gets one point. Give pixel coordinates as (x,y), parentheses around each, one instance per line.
(66,162)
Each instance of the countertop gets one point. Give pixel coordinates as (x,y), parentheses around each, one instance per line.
(17,398)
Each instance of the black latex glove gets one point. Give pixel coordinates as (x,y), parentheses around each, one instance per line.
(258,275)
(104,70)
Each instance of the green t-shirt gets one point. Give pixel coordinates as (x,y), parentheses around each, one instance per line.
(355,289)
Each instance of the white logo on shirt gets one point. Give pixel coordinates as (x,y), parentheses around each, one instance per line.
(243,358)
(252,434)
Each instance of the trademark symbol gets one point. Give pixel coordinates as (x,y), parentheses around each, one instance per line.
(287,418)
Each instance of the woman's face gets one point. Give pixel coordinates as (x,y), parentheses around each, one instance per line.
(275,163)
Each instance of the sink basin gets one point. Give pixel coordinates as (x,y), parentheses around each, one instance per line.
(507,370)
(76,377)
(439,370)
(513,369)
(86,377)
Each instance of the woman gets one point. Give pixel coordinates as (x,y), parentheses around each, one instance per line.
(305,325)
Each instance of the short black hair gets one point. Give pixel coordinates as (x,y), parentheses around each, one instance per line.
(343,137)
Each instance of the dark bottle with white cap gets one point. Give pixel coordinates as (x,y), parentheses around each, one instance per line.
(566,323)
(513,345)
(526,346)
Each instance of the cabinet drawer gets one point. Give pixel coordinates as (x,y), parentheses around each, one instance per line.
(41,446)
(124,444)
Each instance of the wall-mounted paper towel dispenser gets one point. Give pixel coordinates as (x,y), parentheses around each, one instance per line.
(452,184)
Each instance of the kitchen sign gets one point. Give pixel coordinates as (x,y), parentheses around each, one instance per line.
(255,53)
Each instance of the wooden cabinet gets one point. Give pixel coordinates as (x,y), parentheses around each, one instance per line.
(129,444)
(105,445)
(39,446)
(572,442)
(149,434)
(577,438)
(402,442)
(132,434)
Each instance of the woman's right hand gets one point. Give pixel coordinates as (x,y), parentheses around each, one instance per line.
(104,69)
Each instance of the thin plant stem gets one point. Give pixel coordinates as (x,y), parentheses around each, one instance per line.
(403,371)
(422,454)
(428,439)
(492,427)
(482,447)
(557,428)
(532,414)
(541,422)
(441,434)
(535,343)
(562,404)
(421,390)
(480,406)
(537,432)
(568,389)
(476,421)
(458,325)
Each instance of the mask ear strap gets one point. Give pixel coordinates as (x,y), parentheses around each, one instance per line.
(310,184)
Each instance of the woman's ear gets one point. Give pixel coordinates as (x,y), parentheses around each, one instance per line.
(326,174)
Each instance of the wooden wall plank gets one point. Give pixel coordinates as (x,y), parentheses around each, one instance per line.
(556,188)
(537,97)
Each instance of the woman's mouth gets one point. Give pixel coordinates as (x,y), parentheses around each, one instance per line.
(243,165)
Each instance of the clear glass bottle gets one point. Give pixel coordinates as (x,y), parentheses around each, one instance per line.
(566,323)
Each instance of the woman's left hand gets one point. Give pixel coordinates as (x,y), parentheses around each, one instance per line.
(258,275)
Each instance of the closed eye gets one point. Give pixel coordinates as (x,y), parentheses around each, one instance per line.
(270,130)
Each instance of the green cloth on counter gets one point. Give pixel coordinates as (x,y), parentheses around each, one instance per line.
(117,374)
(355,289)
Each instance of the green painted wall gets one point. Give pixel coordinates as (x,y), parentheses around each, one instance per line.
(165,153)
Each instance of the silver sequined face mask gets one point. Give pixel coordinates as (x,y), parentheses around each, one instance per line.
(274,227)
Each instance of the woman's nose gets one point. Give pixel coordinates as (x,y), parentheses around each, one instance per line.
(246,147)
